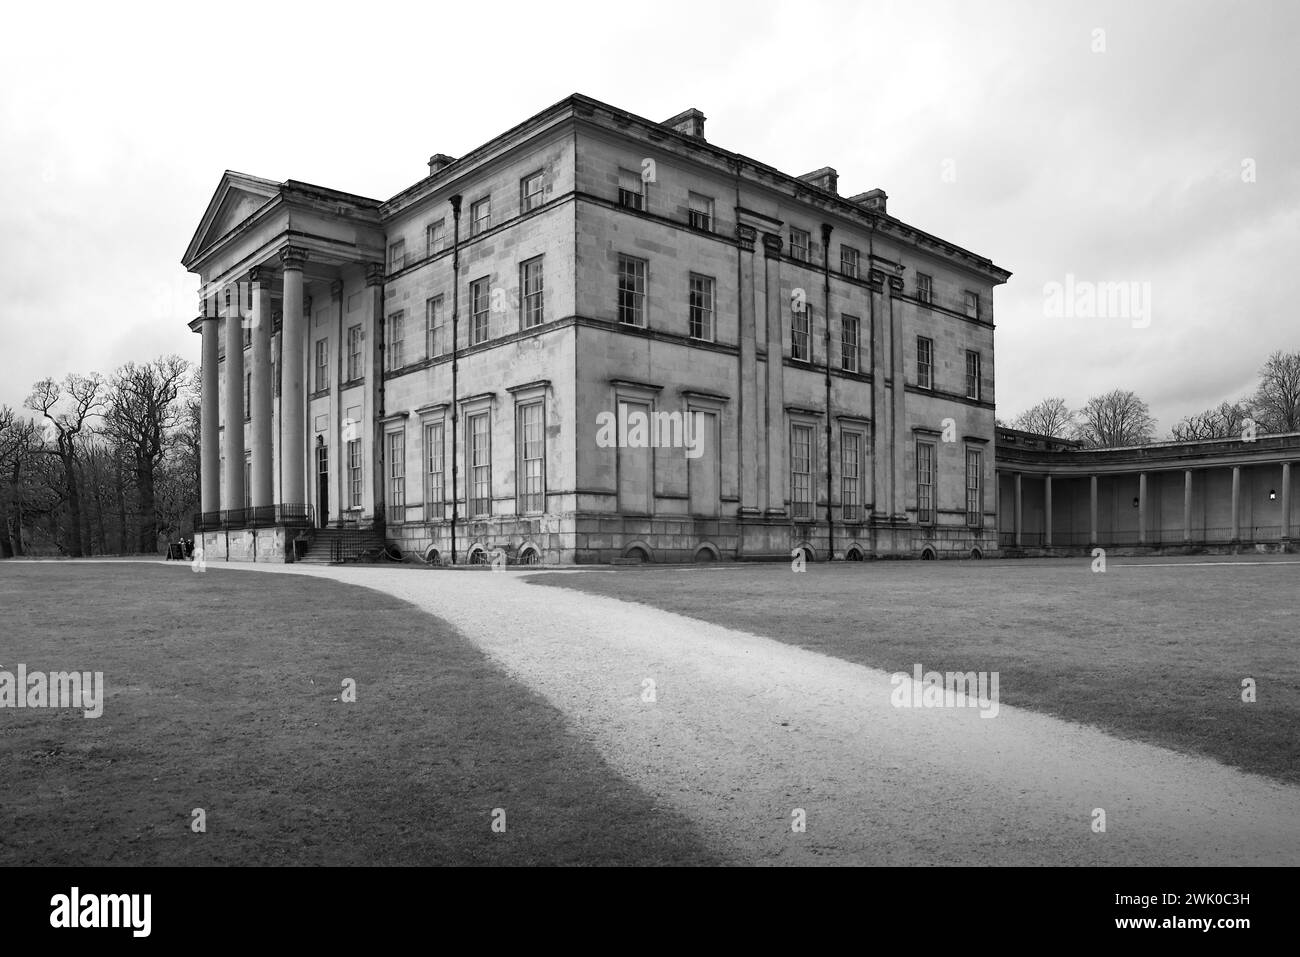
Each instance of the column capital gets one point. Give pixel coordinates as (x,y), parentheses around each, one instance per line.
(374,274)
(260,274)
(293,257)
(772,244)
(336,289)
(746,235)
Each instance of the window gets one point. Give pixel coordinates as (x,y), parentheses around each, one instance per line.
(435,331)
(801,479)
(972,374)
(435,237)
(248,396)
(530,282)
(480,216)
(480,299)
(703,468)
(397,473)
(354,353)
(924,362)
(849,343)
(635,462)
(480,502)
(974,487)
(849,261)
(799,243)
(800,321)
(701,307)
(396,340)
(924,288)
(397,255)
(354,473)
(248,333)
(531,189)
(851,476)
(972,304)
(631,291)
(700,212)
(530,436)
(433,469)
(322,364)
(248,480)
(925,483)
(631,189)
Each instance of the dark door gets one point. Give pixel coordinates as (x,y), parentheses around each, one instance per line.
(322,485)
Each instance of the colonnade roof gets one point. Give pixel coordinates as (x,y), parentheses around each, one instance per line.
(1027,452)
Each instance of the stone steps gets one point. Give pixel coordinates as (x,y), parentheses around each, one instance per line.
(354,542)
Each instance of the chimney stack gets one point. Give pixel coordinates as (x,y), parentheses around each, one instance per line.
(825,178)
(439,160)
(873,199)
(689,122)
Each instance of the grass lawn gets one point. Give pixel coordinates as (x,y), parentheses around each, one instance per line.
(223,693)
(1152,653)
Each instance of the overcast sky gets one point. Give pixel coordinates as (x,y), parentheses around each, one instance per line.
(1017,130)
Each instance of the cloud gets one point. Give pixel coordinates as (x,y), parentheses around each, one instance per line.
(1121,165)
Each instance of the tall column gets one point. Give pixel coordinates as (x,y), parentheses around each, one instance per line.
(1286,500)
(210,415)
(1187,506)
(748,454)
(1047,511)
(777,310)
(375,332)
(1092,508)
(234,396)
(335,452)
(1142,508)
(1236,502)
(262,387)
(1020,515)
(293,407)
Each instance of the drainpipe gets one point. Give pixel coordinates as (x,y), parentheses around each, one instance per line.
(336,465)
(736,167)
(826,289)
(381,335)
(455,366)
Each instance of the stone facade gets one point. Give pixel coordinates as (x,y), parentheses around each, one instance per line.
(596,267)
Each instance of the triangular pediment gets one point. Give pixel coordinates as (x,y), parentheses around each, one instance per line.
(238,196)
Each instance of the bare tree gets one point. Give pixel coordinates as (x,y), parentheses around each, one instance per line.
(69,408)
(20,442)
(1115,418)
(1049,417)
(1277,401)
(142,413)
(1228,421)
(98,465)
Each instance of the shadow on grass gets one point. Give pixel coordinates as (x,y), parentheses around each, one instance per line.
(223,693)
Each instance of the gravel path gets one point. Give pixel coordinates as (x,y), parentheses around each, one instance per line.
(744,730)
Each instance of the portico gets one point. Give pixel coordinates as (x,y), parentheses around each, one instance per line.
(280,265)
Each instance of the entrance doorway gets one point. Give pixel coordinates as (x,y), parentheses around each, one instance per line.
(322,485)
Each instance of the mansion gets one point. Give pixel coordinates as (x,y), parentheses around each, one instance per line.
(593,338)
